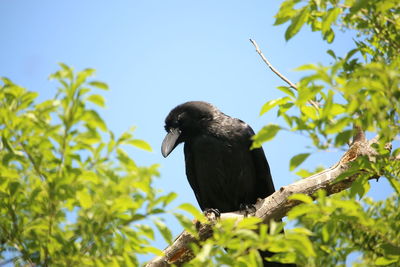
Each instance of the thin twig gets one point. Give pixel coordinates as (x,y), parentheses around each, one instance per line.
(286,80)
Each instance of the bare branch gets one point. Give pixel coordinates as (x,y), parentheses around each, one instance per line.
(275,206)
(286,80)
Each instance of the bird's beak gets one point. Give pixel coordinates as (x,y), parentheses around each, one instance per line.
(170,141)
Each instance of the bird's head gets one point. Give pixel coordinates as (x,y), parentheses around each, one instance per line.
(185,121)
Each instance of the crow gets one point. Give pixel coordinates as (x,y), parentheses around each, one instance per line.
(223,172)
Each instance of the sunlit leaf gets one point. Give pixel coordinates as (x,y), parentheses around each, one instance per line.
(265,134)
(140,144)
(272,103)
(301,197)
(297,160)
(192,210)
(96,99)
(165,232)
(99,85)
(296,24)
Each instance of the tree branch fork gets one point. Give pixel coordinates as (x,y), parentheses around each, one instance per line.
(277,205)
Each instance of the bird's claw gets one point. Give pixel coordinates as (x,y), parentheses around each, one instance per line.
(247,209)
(212,213)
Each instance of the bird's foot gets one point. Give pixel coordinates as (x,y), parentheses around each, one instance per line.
(212,214)
(247,209)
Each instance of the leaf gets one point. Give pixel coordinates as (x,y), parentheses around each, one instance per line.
(265,134)
(163,229)
(99,85)
(300,210)
(249,223)
(386,261)
(272,103)
(287,90)
(285,12)
(360,187)
(192,210)
(204,253)
(97,99)
(186,223)
(297,160)
(140,144)
(301,197)
(167,199)
(329,36)
(92,118)
(330,17)
(337,126)
(331,53)
(343,138)
(152,250)
(309,112)
(390,249)
(297,23)
(84,199)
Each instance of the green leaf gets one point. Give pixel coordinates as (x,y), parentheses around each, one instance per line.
(272,103)
(297,160)
(93,119)
(297,23)
(343,138)
(97,99)
(309,112)
(329,36)
(163,229)
(299,210)
(265,134)
(287,90)
(337,126)
(301,197)
(167,199)
(390,249)
(330,17)
(286,12)
(186,223)
(360,187)
(140,144)
(85,199)
(204,253)
(150,249)
(386,261)
(192,210)
(99,85)
(331,53)
(249,223)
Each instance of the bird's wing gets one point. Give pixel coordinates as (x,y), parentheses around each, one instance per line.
(264,181)
(191,173)
(210,172)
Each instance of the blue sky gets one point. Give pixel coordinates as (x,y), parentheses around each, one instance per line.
(155,55)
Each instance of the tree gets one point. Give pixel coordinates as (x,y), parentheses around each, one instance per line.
(333,106)
(71,195)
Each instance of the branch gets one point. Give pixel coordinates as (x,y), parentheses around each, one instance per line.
(275,206)
(286,80)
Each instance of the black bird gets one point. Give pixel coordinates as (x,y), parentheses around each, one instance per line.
(221,169)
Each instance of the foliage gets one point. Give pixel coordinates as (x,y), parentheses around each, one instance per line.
(360,88)
(70,195)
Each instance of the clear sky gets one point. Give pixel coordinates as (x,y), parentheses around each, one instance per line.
(155,55)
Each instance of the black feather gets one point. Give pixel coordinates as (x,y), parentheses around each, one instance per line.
(221,169)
